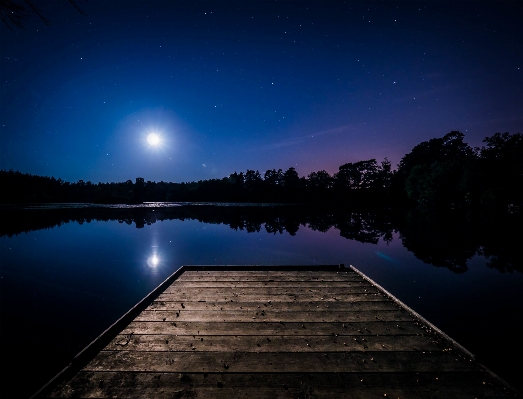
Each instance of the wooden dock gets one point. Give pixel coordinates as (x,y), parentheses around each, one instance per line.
(273,332)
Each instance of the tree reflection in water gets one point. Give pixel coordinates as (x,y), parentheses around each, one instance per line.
(443,240)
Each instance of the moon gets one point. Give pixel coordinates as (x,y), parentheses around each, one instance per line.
(153,139)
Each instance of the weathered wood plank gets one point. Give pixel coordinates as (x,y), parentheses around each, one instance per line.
(299,385)
(210,297)
(319,306)
(271,274)
(267,290)
(270,278)
(271,343)
(297,274)
(205,328)
(269,283)
(267,362)
(324,385)
(272,316)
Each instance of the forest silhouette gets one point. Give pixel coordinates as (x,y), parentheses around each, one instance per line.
(442,173)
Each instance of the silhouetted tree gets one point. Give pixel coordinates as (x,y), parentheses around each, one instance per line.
(237,179)
(253,184)
(290,178)
(12,13)
(385,174)
(273,177)
(433,172)
(501,169)
(318,185)
(139,190)
(360,175)
(321,180)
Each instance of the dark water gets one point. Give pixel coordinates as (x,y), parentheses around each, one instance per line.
(67,274)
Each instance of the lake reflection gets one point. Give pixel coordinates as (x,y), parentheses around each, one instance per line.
(67,274)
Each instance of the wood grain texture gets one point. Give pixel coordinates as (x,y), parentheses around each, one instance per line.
(209,296)
(277,328)
(250,316)
(268,283)
(270,362)
(317,306)
(280,385)
(266,290)
(273,343)
(290,275)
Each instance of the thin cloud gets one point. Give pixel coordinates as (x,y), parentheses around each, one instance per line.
(301,139)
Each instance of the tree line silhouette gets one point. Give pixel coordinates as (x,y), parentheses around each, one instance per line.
(361,179)
(440,173)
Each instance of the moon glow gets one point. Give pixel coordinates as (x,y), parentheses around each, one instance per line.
(153,139)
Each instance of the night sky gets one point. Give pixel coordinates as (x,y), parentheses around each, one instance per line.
(236,85)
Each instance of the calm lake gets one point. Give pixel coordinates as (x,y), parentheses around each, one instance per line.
(67,274)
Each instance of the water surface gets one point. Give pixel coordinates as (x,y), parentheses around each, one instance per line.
(72,273)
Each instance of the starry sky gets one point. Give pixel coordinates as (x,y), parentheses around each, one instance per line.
(236,85)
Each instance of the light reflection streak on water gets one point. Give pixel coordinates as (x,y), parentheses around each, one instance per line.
(386,257)
(154,261)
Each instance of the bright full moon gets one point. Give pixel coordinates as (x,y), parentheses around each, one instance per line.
(153,139)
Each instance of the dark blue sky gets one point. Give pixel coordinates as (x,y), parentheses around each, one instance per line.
(237,85)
